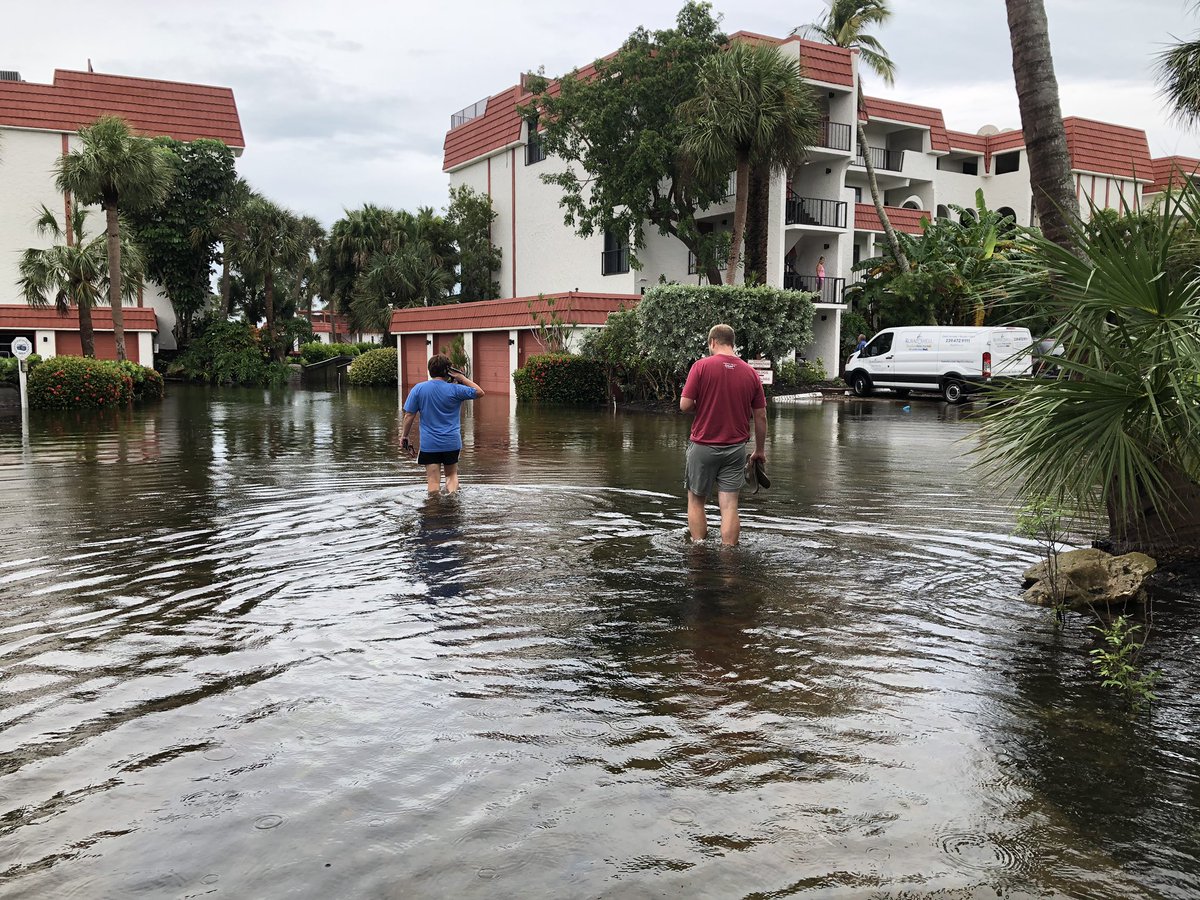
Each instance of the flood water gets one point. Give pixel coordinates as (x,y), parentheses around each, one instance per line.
(243,654)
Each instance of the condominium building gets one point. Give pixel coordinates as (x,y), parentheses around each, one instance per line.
(38,125)
(822,210)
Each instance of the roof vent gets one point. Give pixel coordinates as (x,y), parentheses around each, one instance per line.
(9,75)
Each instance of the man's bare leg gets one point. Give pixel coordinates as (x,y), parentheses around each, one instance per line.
(451,478)
(433,478)
(731,526)
(697,523)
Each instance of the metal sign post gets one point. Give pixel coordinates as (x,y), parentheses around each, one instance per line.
(21,348)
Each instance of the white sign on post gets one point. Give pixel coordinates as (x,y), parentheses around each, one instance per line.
(763,367)
(21,348)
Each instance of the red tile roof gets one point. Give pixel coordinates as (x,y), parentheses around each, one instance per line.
(910,113)
(820,62)
(907,220)
(185,112)
(1171,171)
(1108,149)
(969,143)
(29,318)
(497,127)
(581,307)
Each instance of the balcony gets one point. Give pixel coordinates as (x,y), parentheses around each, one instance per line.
(833,135)
(614,262)
(468,113)
(828,291)
(882,160)
(694,266)
(813,212)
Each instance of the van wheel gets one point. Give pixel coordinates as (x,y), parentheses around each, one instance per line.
(952,391)
(861,384)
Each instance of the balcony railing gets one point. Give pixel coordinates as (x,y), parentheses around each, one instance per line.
(614,262)
(884,160)
(811,211)
(467,113)
(828,290)
(694,266)
(834,135)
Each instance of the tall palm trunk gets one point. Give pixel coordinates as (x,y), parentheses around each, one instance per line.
(87,334)
(889,232)
(269,309)
(758,206)
(1041,119)
(113,234)
(740,201)
(226,287)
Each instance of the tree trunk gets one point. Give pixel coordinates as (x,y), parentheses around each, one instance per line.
(269,311)
(87,334)
(1170,534)
(226,287)
(740,200)
(1041,119)
(113,233)
(758,204)
(888,232)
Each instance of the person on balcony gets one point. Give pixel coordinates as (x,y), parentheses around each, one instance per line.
(820,274)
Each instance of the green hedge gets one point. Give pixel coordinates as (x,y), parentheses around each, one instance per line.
(315,351)
(74,382)
(375,367)
(228,353)
(561,378)
(9,376)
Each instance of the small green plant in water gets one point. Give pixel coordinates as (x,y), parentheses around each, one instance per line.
(1117,661)
(1042,521)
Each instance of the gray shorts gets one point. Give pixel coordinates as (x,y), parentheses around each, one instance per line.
(721,464)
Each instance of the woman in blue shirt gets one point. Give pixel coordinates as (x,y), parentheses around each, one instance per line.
(436,403)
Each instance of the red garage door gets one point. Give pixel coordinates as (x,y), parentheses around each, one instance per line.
(527,345)
(444,343)
(490,367)
(68,343)
(416,359)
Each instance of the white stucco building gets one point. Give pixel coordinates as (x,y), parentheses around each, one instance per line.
(824,209)
(39,124)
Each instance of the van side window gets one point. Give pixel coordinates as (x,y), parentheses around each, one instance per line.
(880,344)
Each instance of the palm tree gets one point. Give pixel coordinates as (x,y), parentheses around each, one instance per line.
(224,228)
(118,170)
(1118,434)
(1179,76)
(754,112)
(1041,119)
(74,271)
(844,25)
(270,241)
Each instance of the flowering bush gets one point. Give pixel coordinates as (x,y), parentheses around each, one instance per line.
(147,383)
(74,382)
(375,367)
(561,378)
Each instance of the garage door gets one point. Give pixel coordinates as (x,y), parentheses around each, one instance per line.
(69,343)
(527,345)
(416,359)
(444,343)
(490,367)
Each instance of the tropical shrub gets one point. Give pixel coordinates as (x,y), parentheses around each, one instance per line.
(1117,434)
(77,382)
(630,375)
(561,378)
(147,383)
(315,351)
(376,367)
(9,373)
(228,353)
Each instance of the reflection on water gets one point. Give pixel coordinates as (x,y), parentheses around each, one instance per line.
(244,652)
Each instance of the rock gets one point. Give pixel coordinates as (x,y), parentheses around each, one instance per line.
(1092,578)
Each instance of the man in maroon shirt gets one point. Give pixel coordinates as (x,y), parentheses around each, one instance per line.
(725,392)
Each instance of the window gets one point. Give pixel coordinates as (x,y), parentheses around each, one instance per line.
(535,151)
(1008,162)
(970,166)
(880,344)
(614,260)
(858,195)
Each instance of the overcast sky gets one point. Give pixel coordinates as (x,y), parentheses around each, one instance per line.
(346,103)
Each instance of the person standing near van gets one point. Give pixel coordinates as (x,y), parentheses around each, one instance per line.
(725,393)
(436,404)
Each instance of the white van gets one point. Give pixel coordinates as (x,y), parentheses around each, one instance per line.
(954,361)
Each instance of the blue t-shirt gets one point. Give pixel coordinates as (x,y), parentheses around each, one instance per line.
(437,403)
